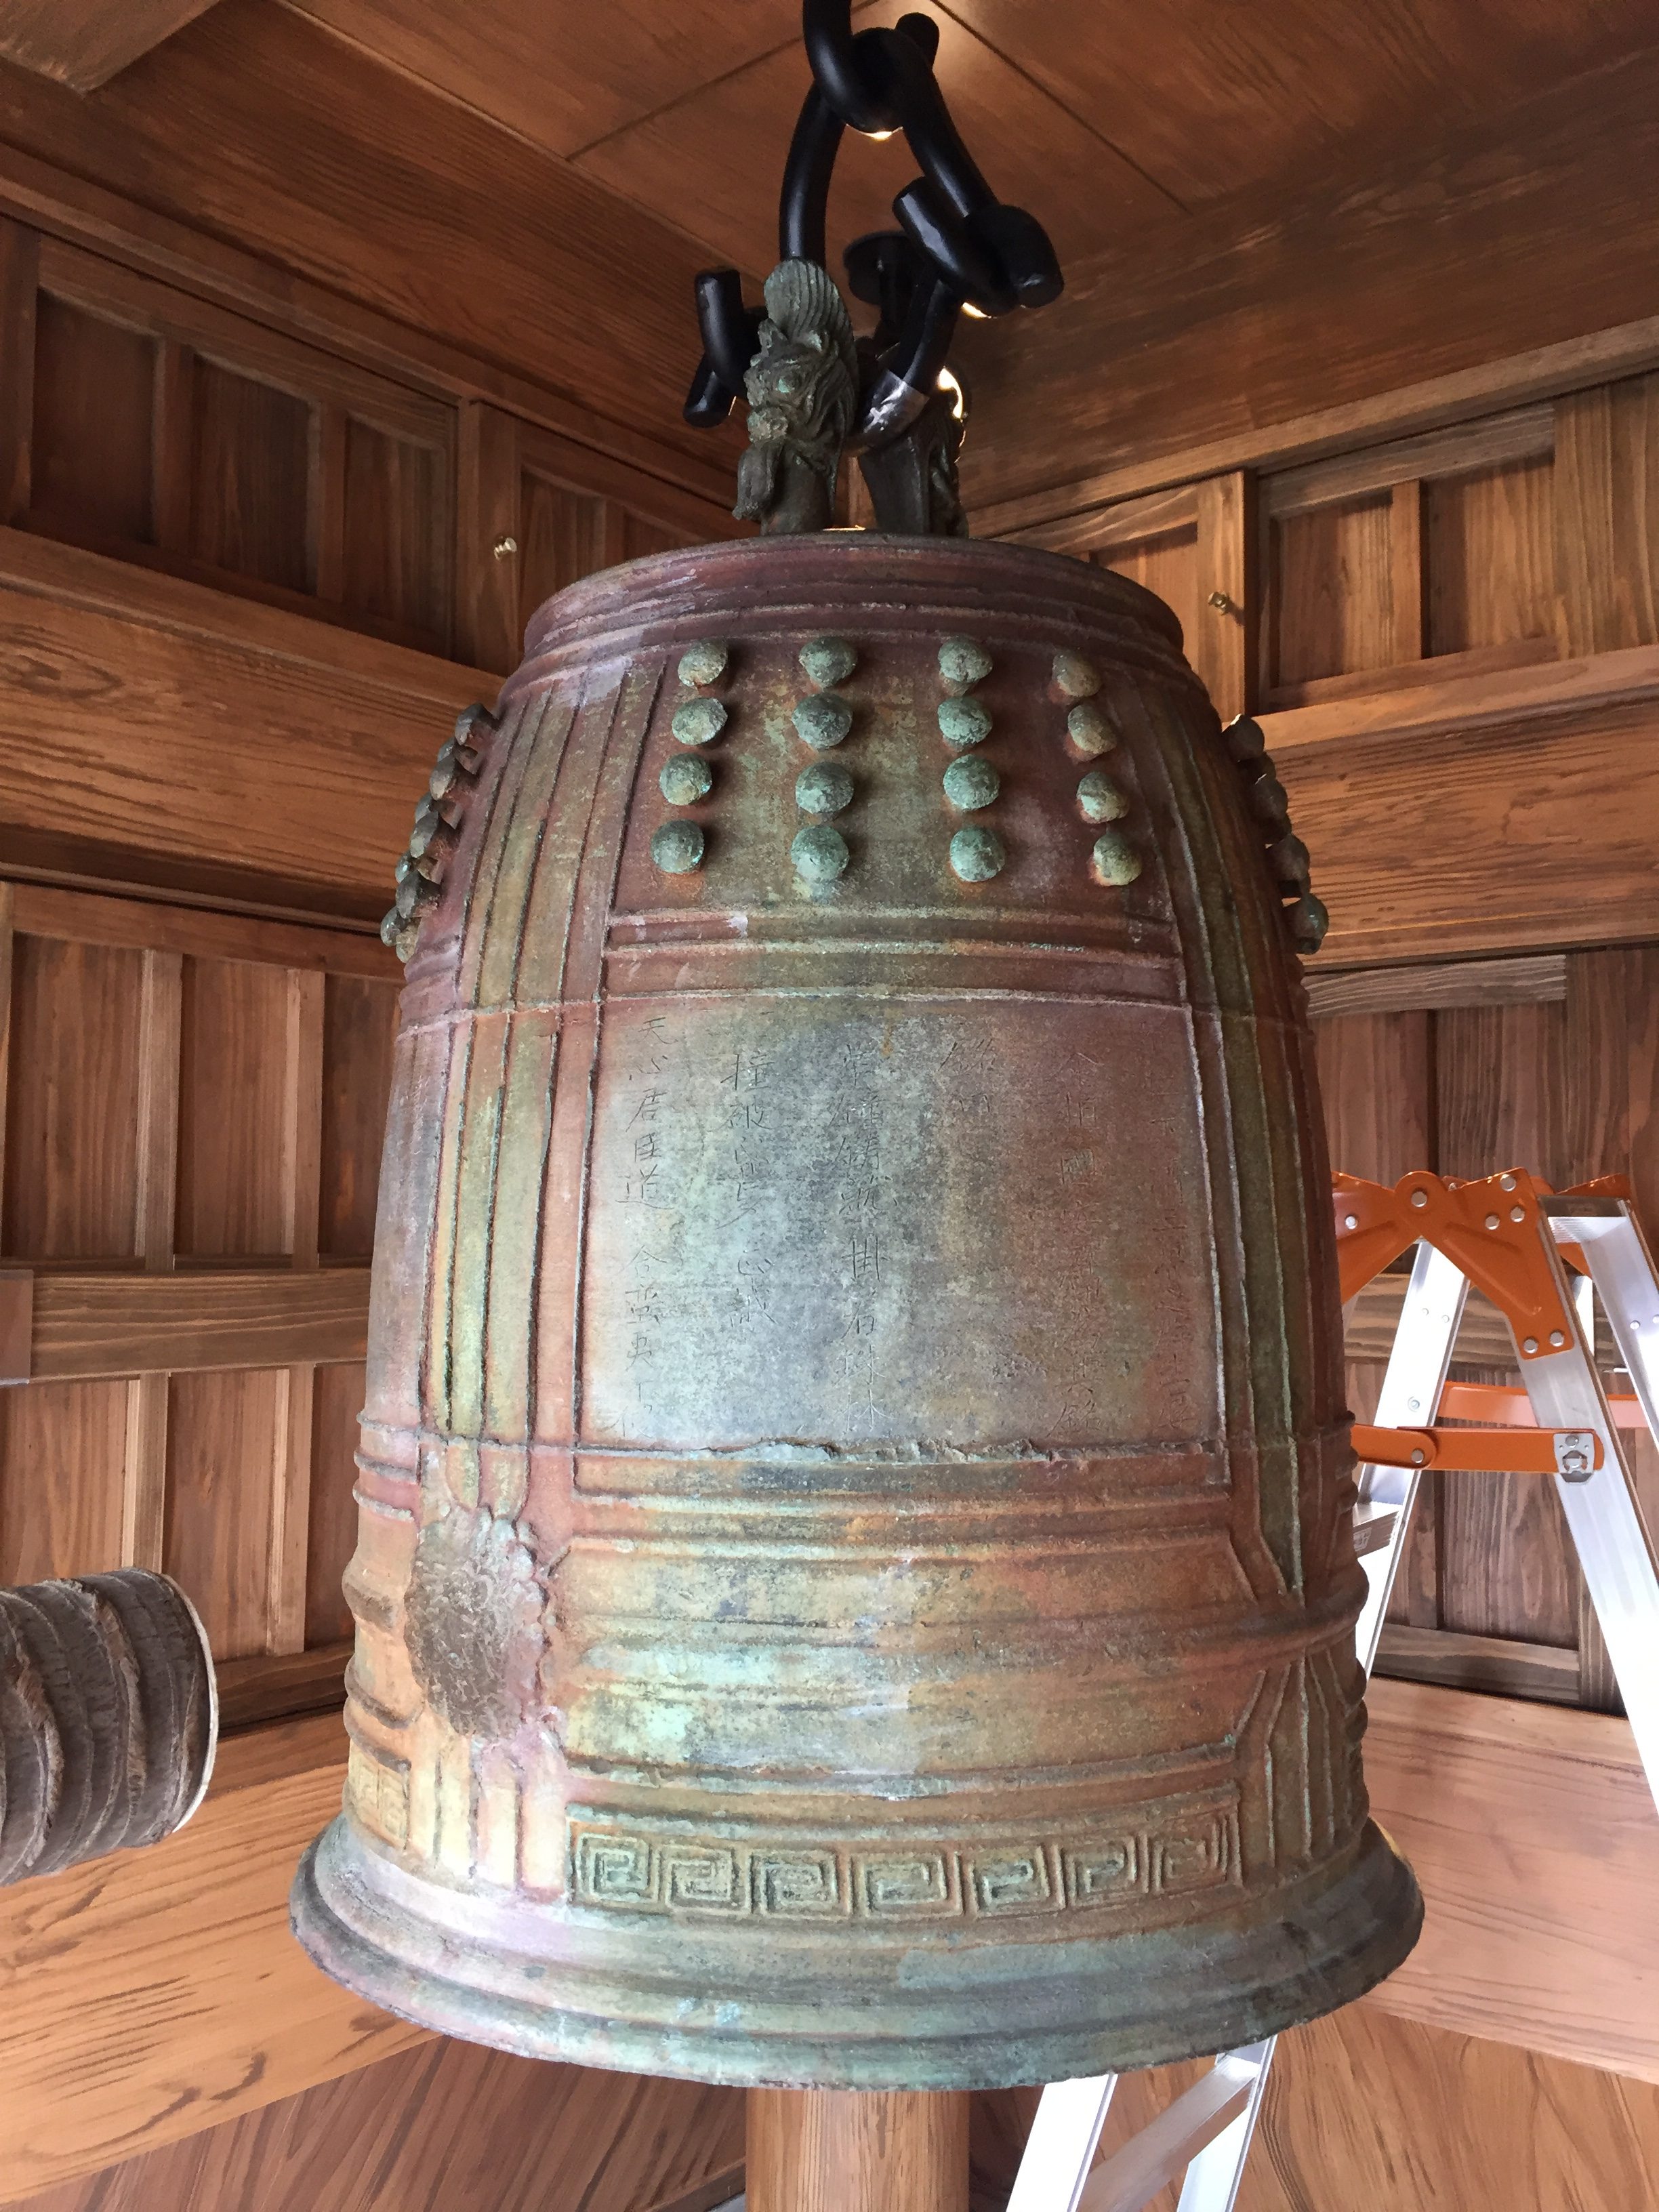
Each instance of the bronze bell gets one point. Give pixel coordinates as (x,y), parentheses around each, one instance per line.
(855,1584)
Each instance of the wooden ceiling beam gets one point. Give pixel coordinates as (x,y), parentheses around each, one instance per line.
(1531,235)
(84,43)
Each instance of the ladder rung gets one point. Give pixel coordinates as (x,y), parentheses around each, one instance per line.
(1571,1452)
(1500,1404)
(1373,1525)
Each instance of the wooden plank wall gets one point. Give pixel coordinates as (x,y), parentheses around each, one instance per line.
(191,1138)
(247,576)
(1452,642)
(1455,639)
(258,546)
(142,420)
(1546,1063)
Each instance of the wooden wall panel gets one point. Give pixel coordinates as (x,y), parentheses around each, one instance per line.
(1376,1076)
(561,538)
(223,1433)
(1332,592)
(1166,563)
(1489,556)
(538,512)
(1607,564)
(249,461)
(394,565)
(1447,634)
(243,1066)
(1381,560)
(168,431)
(231,1195)
(359,1021)
(92,457)
(71,1166)
(62,1451)
(1490,1074)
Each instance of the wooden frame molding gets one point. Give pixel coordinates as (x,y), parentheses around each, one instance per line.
(86,1325)
(1529,979)
(144,674)
(34,190)
(1062,517)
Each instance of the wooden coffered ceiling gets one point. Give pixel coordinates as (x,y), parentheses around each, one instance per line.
(1265,207)
(1100,115)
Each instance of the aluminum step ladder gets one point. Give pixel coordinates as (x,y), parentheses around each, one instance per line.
(1515,1220)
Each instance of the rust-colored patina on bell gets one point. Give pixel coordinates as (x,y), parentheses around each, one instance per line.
(855,1583)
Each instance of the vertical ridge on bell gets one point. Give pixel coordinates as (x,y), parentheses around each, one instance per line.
(1237,940)
(495,1814)
(500,950)
(400,1289)
(552,958)
(563,965)
(515,1227)
(476,1169)
(437,1392)
(505,773)
(452,1759)
(541,1825)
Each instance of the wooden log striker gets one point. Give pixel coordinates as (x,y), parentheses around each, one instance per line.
(107,1717)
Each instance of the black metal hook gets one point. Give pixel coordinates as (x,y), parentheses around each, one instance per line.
(959,243)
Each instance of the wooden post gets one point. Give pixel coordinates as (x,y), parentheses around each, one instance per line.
(849,2150)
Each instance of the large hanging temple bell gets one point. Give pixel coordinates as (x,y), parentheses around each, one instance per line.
(855,1584)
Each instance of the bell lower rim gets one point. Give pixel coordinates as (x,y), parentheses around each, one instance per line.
(1104,2004)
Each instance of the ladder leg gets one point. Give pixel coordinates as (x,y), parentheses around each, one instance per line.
(1166,2147)
(1615,1548)
(1062,2145)
(1213,2178)
(1409,1397)
(1053,2175)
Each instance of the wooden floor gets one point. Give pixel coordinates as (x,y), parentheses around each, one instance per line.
(1368,2113)
(444,2129)
(1365,2113)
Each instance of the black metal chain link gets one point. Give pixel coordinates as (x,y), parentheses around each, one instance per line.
(956,243)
